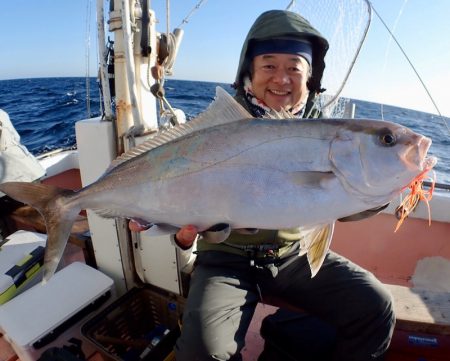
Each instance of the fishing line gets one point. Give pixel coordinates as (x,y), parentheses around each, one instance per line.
(412,66)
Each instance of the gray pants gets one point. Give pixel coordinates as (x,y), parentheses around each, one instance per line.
(225,290)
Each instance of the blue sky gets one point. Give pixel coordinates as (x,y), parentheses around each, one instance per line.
(48,38)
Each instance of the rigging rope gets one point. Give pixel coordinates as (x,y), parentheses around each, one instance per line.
(165,65)
(167,17)
(88,40)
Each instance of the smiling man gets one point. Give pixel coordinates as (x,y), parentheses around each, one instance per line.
(281,65)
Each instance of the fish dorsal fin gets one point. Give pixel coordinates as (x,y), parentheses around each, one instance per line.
(224,109)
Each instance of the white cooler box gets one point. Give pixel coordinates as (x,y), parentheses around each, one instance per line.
(21,259)
(50,315)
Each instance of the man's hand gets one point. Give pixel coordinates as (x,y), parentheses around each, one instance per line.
(135,226)
(185,237)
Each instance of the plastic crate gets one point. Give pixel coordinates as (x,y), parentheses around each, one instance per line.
(140,325)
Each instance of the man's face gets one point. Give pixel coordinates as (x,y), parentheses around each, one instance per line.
(279,80)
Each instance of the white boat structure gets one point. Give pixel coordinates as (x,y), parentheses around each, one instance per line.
(414,262)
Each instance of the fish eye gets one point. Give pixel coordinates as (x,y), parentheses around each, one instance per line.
(388,138)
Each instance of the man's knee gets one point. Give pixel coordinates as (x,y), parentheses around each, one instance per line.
(381,321)
(203,340)
(384,306)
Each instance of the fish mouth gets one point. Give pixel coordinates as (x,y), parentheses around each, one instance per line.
(428,163)
(416,155)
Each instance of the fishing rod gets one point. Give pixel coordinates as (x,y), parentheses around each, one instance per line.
(189,15)
(412,66)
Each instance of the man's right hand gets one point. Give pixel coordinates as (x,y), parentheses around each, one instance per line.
(135,226)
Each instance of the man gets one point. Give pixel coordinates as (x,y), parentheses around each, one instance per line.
(280,69)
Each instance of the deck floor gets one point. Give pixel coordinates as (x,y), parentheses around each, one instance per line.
(254,343)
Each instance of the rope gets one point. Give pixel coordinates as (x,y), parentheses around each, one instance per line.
(167,17)
(88,40)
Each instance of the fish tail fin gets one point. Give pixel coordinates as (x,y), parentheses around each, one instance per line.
(58,216)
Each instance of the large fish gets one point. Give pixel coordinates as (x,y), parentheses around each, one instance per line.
(227,167)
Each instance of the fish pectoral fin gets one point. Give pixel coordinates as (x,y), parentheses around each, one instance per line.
(161,230)
(313,179)
(108,213)
(316,246)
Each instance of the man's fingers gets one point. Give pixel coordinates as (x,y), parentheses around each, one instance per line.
(136,226)
(187,234)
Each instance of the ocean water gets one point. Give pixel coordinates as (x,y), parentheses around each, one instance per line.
(44,112)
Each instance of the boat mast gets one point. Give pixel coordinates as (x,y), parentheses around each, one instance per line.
(138,60)
(100,140)
(135,104)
